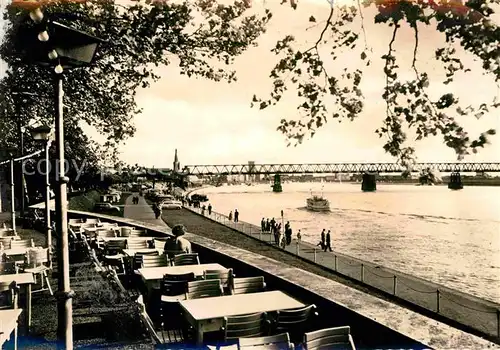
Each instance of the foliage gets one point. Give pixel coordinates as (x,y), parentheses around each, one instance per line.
(202,36)
(408,102)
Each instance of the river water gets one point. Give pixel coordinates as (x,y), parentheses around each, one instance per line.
(448,237)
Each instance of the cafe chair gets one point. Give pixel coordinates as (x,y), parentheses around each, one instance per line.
(159,336)
(8,268)
(186,259)
(6,242)
(125,231)
(278,341)
(329,338)
(113,254)
(247,285)
(138,233)
(22,243)
(295,322)
(75,221)
(9,295)
(137,244)
(245,326)
(92,221)
(223,275)
(36,260)
(204,289)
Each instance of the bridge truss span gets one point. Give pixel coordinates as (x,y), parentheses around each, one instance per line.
(334,168)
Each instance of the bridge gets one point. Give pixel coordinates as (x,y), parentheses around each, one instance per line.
(335,168)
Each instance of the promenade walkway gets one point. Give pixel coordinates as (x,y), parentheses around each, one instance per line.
(480,315)
(141,211)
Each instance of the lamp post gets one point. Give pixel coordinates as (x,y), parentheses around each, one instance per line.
(59,47)
(12,194)
(42,134)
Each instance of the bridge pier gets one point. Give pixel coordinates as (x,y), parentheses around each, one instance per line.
(455,181)
(277,183)
(369,183)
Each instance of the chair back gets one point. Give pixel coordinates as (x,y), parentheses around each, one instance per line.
(223,275)
(278,342)
(186,259)
(137,244)
(7,232)
(173,285)
(37,256)
(138,232)
(115,246)
(11,299)
(106,232)
(154,261)
(92,221)
(6,241)
(75,221)
(125,231)
(244,326)
(295,321)
(247,285)
(204,289)
(22,243)
(329,338)
(8,268)
(108,224)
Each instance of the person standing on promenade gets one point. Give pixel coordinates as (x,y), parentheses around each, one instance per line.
(262,225)
(268,226)
(328,244)
(209,209)
(236,215)
(299,236)
(230,217)
(322,241)
(280,237)
(203,210)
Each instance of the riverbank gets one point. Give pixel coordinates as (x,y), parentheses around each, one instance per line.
(461,311)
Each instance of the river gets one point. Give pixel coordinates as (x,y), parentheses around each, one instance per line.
(448,237)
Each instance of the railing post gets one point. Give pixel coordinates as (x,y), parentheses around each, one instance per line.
(437,301)
(362,272)
(314,254)
(394,287)
(335,262)
(297,247)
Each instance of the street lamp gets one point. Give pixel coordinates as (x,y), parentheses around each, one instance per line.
(42,134)
(10,152)
(61,47)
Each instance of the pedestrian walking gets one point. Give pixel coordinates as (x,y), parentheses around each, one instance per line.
(230,217)
(203,210)
(322,240)
(236,215)
(328,244)
(209,209)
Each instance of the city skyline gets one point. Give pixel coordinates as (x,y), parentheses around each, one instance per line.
(212,123)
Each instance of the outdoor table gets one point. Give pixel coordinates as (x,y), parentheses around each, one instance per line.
(8,324)
(25,280)
(153,275)
(207,314)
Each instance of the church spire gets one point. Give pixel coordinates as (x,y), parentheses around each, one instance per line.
(177,166)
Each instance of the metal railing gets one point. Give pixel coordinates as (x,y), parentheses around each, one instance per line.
(479,314)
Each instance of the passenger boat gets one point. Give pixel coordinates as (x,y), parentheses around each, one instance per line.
(318,203)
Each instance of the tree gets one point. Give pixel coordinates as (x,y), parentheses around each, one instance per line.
(202,36)
(409,105)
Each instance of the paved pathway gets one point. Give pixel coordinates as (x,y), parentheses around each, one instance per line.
(476,313)
(140,212)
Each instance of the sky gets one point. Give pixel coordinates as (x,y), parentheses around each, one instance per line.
(212,122)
